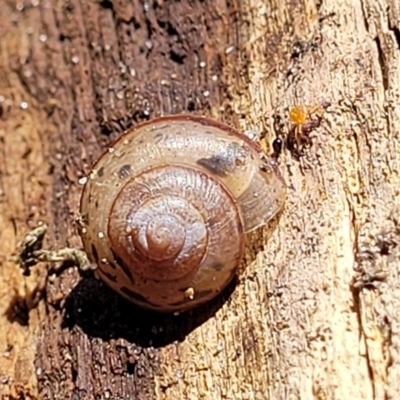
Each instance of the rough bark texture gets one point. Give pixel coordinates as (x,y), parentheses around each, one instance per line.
(315,313)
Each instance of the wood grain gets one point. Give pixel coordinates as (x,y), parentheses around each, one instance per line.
(315,311)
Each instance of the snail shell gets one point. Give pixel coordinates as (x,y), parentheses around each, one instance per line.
(165,209)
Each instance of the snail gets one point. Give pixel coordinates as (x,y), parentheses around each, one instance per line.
(165,209)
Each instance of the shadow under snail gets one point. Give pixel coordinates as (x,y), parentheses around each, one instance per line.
(165,209)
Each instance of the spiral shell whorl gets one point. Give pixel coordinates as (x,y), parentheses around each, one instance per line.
(164,213)
(179,209)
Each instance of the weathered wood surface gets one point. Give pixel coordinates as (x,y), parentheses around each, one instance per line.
(315,314)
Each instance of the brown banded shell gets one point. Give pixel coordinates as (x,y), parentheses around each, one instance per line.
(167,205)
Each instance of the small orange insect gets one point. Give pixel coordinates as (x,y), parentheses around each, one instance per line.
(304,120)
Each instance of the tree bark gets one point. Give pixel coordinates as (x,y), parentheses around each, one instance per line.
(315,311)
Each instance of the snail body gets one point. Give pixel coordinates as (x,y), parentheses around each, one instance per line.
(166,207)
